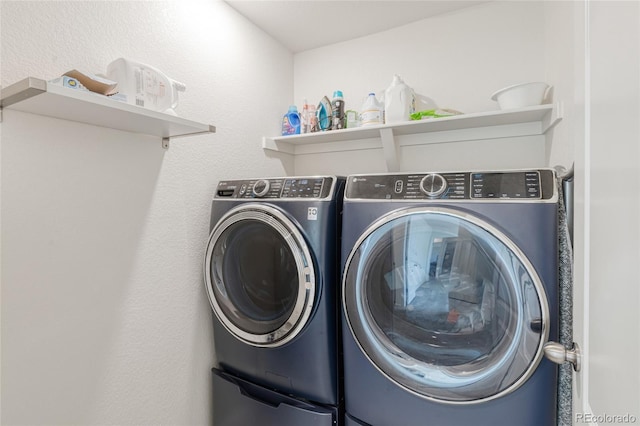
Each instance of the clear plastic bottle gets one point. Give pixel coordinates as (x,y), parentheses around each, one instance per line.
(305,118)
(337,111)
(372,111)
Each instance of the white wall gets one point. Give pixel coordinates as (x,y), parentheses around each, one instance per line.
(458,59)
(104,315)
(614,209)
(593,53)
(564,67)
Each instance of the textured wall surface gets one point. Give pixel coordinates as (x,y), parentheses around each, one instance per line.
(105,319)
(458,59)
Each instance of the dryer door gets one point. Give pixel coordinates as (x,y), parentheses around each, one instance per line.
(445,305)
(259,275)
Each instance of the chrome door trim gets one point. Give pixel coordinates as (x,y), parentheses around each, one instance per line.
(404,359)
(303,306)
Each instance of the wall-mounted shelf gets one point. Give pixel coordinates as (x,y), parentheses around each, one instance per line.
(36,96)
(529,121)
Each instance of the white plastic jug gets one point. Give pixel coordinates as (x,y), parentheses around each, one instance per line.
(399,101)
(372,111)
(145,86)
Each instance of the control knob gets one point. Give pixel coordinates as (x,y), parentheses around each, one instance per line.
(433,185)
(260,188)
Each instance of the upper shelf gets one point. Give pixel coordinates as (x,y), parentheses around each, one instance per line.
(535,120)
(36,96)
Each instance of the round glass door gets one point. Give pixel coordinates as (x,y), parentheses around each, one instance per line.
(445,305)
(259,275)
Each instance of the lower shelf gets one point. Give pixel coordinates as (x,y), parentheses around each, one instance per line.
(530,121)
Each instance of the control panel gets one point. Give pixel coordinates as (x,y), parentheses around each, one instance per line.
(506,185)
(509,185)
(298,187)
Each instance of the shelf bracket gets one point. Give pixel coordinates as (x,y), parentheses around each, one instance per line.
(390,149)
(167,139)
(552,118)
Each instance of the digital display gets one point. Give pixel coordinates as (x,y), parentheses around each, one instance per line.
(505,185)
(302,188)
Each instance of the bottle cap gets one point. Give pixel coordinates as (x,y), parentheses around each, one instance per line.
(337,94)
(293,108)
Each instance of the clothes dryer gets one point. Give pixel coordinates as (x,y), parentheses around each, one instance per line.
(272,277)
(450,292)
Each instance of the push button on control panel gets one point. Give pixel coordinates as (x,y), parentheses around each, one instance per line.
(399,185)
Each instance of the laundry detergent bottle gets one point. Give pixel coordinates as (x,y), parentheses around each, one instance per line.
(337,111)
(399,101)
(145,86)
(291,122)
(372,111)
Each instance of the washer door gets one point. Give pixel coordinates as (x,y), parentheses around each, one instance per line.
(445,305)
(259,275)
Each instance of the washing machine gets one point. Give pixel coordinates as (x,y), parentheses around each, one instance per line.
(272,276)
(450,293)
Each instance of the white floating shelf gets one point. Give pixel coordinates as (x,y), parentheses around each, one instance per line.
(38,97)
(529,121)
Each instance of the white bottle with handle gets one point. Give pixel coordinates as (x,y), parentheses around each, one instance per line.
(399,101)
(372,111)
(145,86)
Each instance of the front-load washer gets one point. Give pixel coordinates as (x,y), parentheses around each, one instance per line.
(450,292)
(272,276)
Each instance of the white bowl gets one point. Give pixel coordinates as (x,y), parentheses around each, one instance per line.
(521,95)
